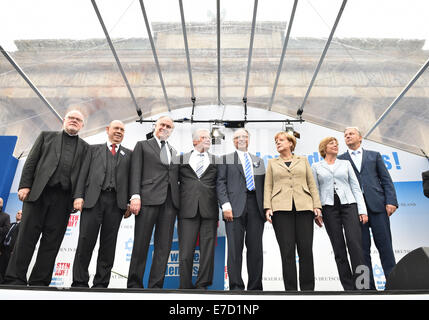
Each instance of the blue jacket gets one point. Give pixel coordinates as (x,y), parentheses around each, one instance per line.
(341,178)
(375,181)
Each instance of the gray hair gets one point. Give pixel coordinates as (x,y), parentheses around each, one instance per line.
(355,128)
(197,133)
(243,129)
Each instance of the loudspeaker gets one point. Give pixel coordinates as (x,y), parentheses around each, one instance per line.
(411,272)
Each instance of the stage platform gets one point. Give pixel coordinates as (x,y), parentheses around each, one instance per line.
(54,293)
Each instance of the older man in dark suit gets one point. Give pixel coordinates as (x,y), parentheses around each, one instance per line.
(102,197)
(380,199)
(425,180)
(4,221)
(199,211)
(155,201)
(240,189)
(7,245)
(47,183)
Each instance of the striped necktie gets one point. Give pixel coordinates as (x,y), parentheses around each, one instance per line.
(164,154)
(200,165)
(250,184)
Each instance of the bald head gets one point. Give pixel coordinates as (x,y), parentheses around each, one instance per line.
(115,131)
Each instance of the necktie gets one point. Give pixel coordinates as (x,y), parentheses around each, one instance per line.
(164,154)
(200,165)
(250,184)
(355,153)
(113,151)
(8,237)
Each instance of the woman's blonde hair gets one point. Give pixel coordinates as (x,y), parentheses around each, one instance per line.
(324,143)
(288,136)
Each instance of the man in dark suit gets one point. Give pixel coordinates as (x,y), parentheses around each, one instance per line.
(199,211)
(380,199)
(4,228)
(240,189)
(4,221)
(47,183)
(425,179)
(155,201)
(102,197)
(7,245)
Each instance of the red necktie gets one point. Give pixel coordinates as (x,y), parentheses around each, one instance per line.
(113,149)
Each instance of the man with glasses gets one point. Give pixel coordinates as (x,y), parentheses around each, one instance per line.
(240,189)
(155,200)
(47,182)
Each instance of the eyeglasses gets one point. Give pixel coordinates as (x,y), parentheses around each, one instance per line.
(74,118)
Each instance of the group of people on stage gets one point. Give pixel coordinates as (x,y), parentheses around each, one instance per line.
(352,192)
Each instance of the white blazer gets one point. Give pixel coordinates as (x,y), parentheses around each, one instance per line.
(341,178)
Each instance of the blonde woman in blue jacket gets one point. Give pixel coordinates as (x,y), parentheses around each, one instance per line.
(343,207)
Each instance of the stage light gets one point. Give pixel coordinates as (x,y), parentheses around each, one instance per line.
(234,124)
(217,135)
(287,127)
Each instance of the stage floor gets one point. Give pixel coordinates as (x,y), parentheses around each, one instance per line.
(54,293)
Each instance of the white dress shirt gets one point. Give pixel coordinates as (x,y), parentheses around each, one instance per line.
(109,145)
(194,160)
(137,196)
(227,205)
(356,156)
(166,145)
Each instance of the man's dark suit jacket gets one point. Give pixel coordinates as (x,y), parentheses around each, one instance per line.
(375,181)
(425,177)
(93,171)
(149,177)
(231,183)
(4,225)
(198,193)
(43,159)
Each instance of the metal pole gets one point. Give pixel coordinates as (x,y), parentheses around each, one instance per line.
(325,50)
(279,69)
(32,86)
(155,56)
(112,48)
(399,97)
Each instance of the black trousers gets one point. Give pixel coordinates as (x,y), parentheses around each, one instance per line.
(162,217)
(188,230)
(345,217)
(248,228)
(48,216)
(104,218)
(294,230)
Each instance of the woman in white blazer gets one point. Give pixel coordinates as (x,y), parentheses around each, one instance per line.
(343,207)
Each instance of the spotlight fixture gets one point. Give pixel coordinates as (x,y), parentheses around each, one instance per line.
(149,135)
(287,127)
(234,124)
(217,135)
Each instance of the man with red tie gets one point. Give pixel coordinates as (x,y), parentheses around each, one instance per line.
(102,196)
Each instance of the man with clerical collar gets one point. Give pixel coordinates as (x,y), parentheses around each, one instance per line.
(101,196)
(47,183)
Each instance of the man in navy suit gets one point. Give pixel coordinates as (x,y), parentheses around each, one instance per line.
(380,199)
(240,190)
